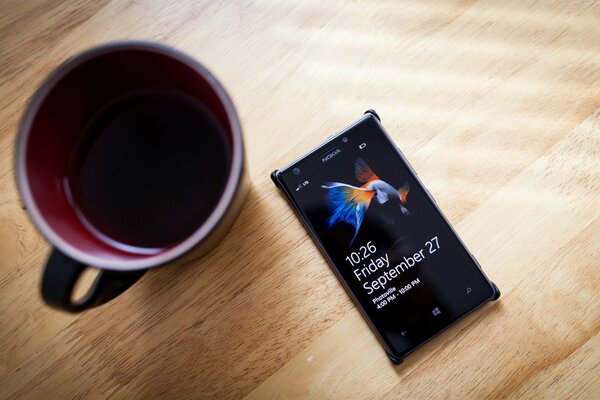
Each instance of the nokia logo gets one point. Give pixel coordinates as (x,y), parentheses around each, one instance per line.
(331,155)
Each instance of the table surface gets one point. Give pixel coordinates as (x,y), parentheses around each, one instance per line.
(497,106)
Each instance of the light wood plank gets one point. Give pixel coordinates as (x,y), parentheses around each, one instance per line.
(496,106)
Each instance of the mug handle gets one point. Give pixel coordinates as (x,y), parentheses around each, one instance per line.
(61,274)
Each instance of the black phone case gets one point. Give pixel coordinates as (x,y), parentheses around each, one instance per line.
(395,359)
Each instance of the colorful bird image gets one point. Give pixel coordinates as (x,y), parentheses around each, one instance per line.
(348,203)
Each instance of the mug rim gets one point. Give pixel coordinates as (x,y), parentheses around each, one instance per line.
(208,225)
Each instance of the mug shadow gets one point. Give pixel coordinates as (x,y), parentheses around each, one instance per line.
(174,301)
(162,283)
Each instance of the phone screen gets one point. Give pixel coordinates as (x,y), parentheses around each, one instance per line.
(387,239)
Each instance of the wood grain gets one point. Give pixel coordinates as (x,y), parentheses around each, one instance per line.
(497,106)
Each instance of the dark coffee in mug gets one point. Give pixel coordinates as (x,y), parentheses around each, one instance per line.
(128,156)
(149,169)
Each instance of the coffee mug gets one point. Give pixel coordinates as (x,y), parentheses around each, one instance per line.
(128,156)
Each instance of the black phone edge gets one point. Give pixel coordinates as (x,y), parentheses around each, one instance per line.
(393,358)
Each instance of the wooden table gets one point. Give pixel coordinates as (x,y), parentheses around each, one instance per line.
(496,104)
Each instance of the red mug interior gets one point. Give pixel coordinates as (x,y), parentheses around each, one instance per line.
(61,109)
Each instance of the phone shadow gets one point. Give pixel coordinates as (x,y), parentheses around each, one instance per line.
(429,353)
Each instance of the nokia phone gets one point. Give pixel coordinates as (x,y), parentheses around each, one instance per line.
(383,235)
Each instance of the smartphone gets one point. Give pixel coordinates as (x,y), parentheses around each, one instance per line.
(383,235)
